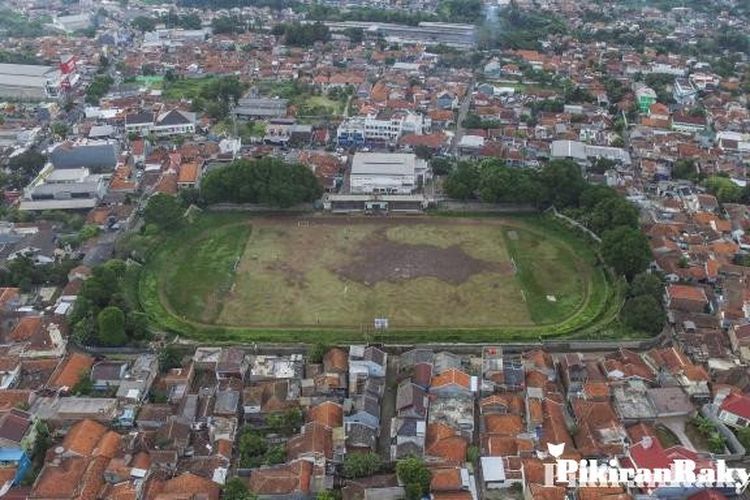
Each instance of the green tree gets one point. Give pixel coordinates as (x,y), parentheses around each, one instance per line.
(144,23)
(562,183)
(716,443)
(611,213)
(275,455)
(111,327)
(327,495)
(60,129)
(361,464)
(743,434)
(268,181)
(626,250)
(169,357)
(163,210)
(647,284)
(316,352)
(84,386)
(685,169)
(252,448)
(463,182)
(644,313)
(441,165)
(415,475)
(236,489)
(286,423)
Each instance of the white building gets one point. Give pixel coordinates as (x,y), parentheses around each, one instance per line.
(385,126)
(387,173)
(29,81)
(64,189)
(72,23)
(174,122)
(683,91)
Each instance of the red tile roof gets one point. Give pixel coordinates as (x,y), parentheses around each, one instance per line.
(71,370)
(327,413)
(453,376)
(284,479)
(737,404)
(83,437)
(442,441)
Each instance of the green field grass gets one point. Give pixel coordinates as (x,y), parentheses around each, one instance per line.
(285,287)
(186,88)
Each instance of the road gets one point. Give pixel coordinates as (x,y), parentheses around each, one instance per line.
(463,110)
(388,408)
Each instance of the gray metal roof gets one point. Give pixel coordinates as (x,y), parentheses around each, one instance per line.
(383,164)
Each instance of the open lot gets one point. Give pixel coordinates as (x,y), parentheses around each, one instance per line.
(240,276)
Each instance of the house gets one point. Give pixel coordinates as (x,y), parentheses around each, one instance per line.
(450,382)
(314,443)
(70,371)
(734,410)
(407,437)
(290,480)
(687,298)
(108,374)
(189,175)
(365,362)
(232,363)
(501,472)
(328,413)
(444,444)
(188,485)
(139,379)
(336,360)
(16,429)
(168,123)
(411,400)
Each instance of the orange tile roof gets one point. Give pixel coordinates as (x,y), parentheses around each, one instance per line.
(70,371)
(446,479)
(505,425)
(188,173)
(60,481)
(327,413)
(453,376)
(26,328)
(13,398)
(336,360)
(83,437)
(8,294)
(686,292)
(442,441)
(283,479)
(191,485)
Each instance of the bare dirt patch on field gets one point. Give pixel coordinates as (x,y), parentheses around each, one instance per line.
(380,259)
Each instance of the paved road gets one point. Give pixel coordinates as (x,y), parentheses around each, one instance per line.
(388,409)
(463,110)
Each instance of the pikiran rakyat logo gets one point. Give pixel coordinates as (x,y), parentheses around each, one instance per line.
(682,474)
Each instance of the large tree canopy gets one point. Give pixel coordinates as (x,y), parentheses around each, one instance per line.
(268,181)
(626,250)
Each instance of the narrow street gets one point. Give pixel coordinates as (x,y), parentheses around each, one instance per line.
(463,110)
(388,408)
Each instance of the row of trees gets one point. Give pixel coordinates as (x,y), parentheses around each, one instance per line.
(302,35)
(268,181)
(170,19)
(102,315)
(560,184)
